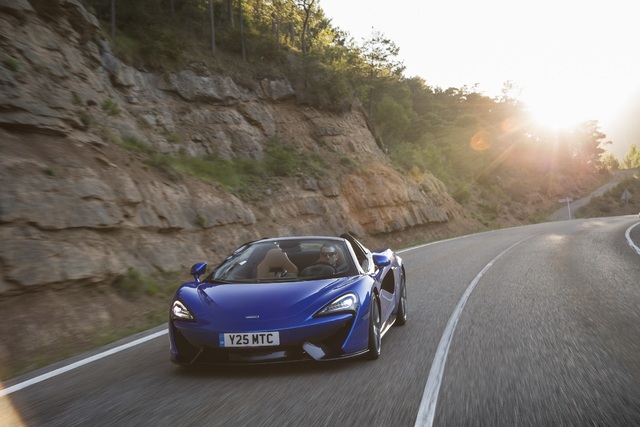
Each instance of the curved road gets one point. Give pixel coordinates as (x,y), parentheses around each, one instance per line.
(568,212)
(530,326)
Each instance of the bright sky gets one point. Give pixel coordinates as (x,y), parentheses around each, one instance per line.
(574,59)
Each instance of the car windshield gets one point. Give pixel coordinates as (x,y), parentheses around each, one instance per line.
(286,260)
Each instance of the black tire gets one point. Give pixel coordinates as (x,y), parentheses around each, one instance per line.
(401,315)
(375,330)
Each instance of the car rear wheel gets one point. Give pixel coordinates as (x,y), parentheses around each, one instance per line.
(401,316)
(375,330)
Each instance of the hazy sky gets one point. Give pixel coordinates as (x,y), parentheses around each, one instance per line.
(574,59)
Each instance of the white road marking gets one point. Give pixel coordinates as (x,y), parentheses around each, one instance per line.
(424,245)
(427,410)
(78,364)
(437,242)
(627,234)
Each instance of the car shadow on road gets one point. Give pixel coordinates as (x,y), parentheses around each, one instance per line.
(286,369)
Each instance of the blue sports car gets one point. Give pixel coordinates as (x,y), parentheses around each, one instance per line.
(289,299)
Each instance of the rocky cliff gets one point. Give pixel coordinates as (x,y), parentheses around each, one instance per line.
(77,208)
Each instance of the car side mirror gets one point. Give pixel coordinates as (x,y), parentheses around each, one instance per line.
(381,260)
(198,270)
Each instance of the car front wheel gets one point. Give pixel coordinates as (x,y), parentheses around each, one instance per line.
(401,316)
(375,330)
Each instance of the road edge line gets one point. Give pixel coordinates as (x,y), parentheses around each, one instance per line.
(627,234)
(426,413)
(79,363)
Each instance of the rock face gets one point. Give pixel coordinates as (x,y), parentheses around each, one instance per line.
(76,207)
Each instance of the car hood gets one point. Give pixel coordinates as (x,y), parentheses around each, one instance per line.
(267,301)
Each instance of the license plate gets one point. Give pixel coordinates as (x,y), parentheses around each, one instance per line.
(251,339)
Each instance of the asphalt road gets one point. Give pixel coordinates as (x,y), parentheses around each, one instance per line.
(530,326)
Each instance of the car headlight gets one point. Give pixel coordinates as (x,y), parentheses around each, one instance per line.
(345,303)
(180,311)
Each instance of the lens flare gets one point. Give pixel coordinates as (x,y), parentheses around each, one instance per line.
(480,141)
(509,125)
(8,415)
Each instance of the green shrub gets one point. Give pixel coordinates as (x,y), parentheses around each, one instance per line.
(12,64)
(134,143)
(461,194)
(348,162)
(50,171)
(134,283)
(86,118)
(172,137)
(201,221)
(487,219)
(76,100)
(247,178)
(110,107)
(240,176)
(282,160)
(210,168)
(466,120)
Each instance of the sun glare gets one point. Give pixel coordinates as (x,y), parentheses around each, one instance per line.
(563,104)
(555,117)
(557,111)
(8,414)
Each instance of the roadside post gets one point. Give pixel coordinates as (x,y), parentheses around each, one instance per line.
(567,200)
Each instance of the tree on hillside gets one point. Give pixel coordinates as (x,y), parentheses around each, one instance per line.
(276,21)
(241,19)
(380,53)
(510,92)
(609,162)
(380,56)
(113,18)
(230,16)
(632,159)
(213,29)
(285,16)
(391,120)
(307,8)
(587,144)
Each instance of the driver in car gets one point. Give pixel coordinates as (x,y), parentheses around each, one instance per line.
(325,265)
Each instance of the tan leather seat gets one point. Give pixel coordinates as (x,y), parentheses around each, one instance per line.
(275,262)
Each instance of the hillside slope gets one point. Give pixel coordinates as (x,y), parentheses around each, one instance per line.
(85,139)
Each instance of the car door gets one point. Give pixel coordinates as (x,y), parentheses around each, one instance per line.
(378,273)
(384,275)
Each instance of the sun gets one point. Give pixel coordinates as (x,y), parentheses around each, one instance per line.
(555,116)
(557,110)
